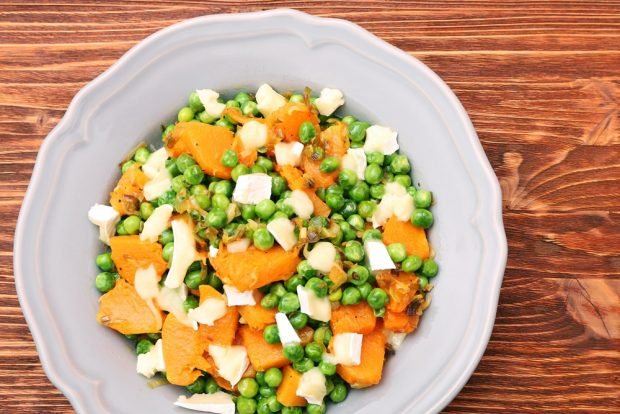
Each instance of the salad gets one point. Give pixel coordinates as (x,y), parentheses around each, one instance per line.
(267,255)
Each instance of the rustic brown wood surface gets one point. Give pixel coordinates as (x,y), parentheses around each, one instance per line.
(541,82)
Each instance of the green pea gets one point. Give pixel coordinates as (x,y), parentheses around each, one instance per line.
(193,174)
(423,199)
(329,164)
(372,234)
(303,365)
(348,208)
(191,302)
(354,251)
(141,155)
(335,296)
(327,368)
(366,208)
(351,296)
(288,303)
(224,123)
(377,191)
(356,221)
(269,301)
(185,114)
(322,335)
(256,169)
(334,201)
(403,180)
(358,275)
(132,224)
(278,289)
(422,218)
(293,282)
(411,191)
(167,251)
(338,394)
(278,184)
(284,208)
(318,221)
(203,201)
(400,165)
(271,334)
(220,202)
(298,320)
(229,159)
(273,377)
(293,352)
(321,193)
(184,161)
(166,237)
(171,166)
(348,233)
(296,97)
(375,158)
(266,391)
(365,289)
(249,108)
(318,286)
(265,162)
(291,410)
(347,178)
(224,187)
(248,212)
(205,118)
(246,405)
(379,313)
(143,346)
(198,189)
(349,119)
(248,387)
(377,298)
(329,383)
(146,209)
(422,282)
(127,165)
(397,252)
(357,131)
(314,351)
(265,209)
(194,279)
(105,281)
(217,218)
(273,404)
(211,386)
(178,183)
(307,132)
(411,264)
(242,97)
(238,171)
(167,131)
(262,239)
(232,104)
(430,268)
(305,270)
(360,192)
(214,281)
(198,386)
(104,262)
(373,174)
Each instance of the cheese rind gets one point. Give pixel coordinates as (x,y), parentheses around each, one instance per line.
(252,188)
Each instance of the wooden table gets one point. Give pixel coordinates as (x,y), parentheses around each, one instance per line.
(541,82)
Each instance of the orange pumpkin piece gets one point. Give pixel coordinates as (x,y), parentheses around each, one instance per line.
(128,193)
(262,355)
(312,170)
(255,268)
(289,119)
(224,329)
(337,276)
(400,321)
(205,143)
(413,237)
(123,310)
(401,288)
(371,367)
(256,316)
(320,208)
(287,390)
(129,254)
(183,352)
(335,140)
(359,318)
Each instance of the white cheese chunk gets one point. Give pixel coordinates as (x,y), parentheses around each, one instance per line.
(269,100)
(151,362)
(238,246)
(216,403)
(314,306)
(253,135)
(231,361)
(381,139)
(377,255)
(155,162)
(235,297)
(394,339)
(106,218)
(322,257)
(183,253)
(209,311)
(213,251)
(288,153)
(145,282)
(396,201)
(355,160)
(287,333)
(208,98)
(300,203)
(328,101)
(159,177)
(312,386)
(252,188)
(171,300)
(158,221)
(283,230)
(348,348)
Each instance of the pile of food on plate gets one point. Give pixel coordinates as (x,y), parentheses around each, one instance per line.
(267,255)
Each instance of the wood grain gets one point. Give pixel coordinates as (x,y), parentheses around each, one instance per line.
(541,82)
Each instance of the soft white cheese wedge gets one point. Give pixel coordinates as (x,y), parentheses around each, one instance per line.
(355,160)
(213,251)
(208,98)
(216,403)
(283,230)
(328,101)
(300,203)
(159,177)
(395,202)
(231,361)
(171,300)
(287,333)
(252,188)
(348,348)
(235,297)
(314,306)
(147,287)
(268,100)
(288,153)
(209,311)
(381,139)
(253,135)
(106,218)
(156,223)
(238,246)
(183,254)
(377,255)
(152,362)
(312,386)
(322,257)
(394,339)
